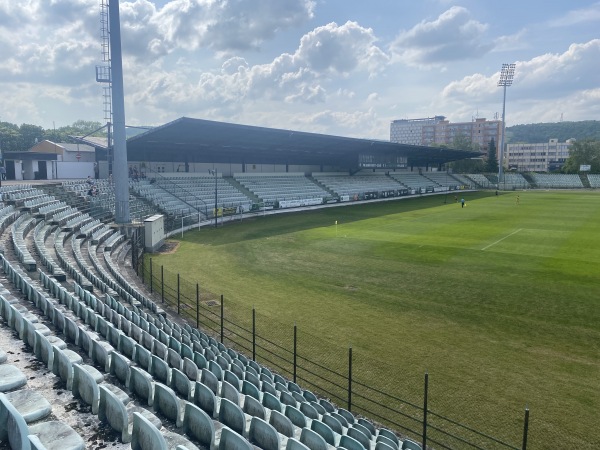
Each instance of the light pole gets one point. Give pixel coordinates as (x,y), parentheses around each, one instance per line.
(214,172)
(506,78)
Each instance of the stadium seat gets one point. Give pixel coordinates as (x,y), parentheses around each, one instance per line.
(281,423)
(205,398)
(145,435)
(232,416)
(324,431)
(230,440)
(263,435)
(198,425)
(313,440)
(253,407)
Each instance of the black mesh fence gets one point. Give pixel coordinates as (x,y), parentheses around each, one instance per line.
(395,397)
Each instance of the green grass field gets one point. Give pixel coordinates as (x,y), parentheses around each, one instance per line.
(499,302)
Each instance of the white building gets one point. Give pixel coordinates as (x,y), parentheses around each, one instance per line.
(410,131)
(437,130)
(47,160)
(538,157)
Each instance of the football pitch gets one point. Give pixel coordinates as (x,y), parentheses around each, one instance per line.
(498,301)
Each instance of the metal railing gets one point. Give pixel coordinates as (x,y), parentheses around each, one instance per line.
(353,379)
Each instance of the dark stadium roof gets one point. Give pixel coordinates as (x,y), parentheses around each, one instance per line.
(196,140)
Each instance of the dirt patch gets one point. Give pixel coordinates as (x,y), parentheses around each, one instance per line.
(169,247)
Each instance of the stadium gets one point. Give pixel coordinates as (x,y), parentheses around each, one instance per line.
(316,328)
(208,285)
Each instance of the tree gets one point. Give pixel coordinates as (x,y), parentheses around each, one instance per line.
(462,142)
(491,163)
(9,137)
(86,126)
(469,165)
(30,135)
(583,152)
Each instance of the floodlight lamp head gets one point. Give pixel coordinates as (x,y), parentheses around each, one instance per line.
(507,75)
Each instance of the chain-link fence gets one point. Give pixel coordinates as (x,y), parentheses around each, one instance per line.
(356,380)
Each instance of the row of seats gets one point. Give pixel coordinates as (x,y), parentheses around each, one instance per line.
(343,184)
(45,212)
(8,215)
(19,229)
(39,202)
(413,180)
(269,188)
(40,234)
(557,180)
(9,188)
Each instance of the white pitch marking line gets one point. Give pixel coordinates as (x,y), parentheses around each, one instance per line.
(500,240)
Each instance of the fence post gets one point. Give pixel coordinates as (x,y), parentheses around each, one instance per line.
(425,410)
(350,378)
(222,318)
(162,283)
(525,428)
(197,306)
(178,296)
(151,277)
(143,282)
(295,349)
(253,333)
(134,261)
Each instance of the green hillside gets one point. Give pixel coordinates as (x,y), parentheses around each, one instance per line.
(542,132)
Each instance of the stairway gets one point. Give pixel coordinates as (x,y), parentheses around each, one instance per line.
(585,181)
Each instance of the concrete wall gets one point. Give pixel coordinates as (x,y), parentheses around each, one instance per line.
(74,169)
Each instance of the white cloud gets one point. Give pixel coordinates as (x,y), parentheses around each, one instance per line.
(341,49)
(541,85)
(222,26)
(301,77)
(578,16)
(453,36)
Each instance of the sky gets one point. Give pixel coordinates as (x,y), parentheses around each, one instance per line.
(341,67)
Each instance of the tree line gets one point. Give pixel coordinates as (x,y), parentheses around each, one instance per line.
(22,137)
(563,131)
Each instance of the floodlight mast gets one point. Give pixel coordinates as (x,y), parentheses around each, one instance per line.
(506,78)
(118,103)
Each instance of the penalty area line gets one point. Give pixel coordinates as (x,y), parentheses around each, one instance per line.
(500,240)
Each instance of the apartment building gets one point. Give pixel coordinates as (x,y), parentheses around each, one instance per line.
(538,157)
(438,130)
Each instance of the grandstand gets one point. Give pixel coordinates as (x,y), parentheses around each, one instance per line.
(480,180)
(271,189)
(415,182)
(181,194)
(557,181)
(359,186)
(515,181)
